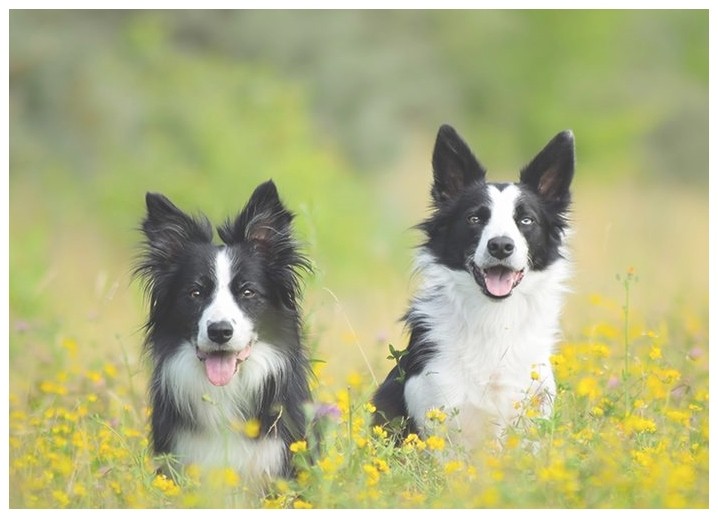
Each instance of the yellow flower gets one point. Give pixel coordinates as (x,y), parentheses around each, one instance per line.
(452,466)
(378,431)
(166,485)
(355,380)
(301,504)
(298,447)
(230,478)
(61,498)
(435,443)
(372,474)
(110,370)
(655,353)
(50,387)
(252,428)
(369,408)
(381,465)
(684,418)
(588,386)
(435,414)
(637,424)
(534,375)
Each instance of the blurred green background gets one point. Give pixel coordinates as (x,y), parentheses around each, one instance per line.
(340,108)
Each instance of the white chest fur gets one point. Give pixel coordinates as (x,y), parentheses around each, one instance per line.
(219,413)
(491,356)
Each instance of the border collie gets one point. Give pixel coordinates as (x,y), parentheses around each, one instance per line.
(224,336)
(485,319)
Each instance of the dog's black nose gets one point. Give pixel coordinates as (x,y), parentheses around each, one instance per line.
(220,332)
(501,247)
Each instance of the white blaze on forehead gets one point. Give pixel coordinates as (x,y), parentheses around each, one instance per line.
(223,307)
(502,223)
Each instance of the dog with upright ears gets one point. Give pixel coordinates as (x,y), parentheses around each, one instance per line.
(224,336)
(485,320)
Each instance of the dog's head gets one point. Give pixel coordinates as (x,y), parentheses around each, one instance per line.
(220,299)
(498,232)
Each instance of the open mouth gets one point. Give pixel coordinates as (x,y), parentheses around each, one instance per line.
(220,366)
(496,281)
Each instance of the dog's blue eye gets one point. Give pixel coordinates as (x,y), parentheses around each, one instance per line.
(526,221)
(248,293)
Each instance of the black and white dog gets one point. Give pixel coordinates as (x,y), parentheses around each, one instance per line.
(224,335)
(485,320)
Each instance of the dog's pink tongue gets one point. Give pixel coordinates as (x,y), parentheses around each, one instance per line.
(220,368)
(500,281)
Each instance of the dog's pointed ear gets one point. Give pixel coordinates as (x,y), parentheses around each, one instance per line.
(167,226)
(550,173)
(455,166)
(168,231)
(263,221)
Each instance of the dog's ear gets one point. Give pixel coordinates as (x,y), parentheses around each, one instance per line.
(455,166)
(550,173)
(168,229)
(263,221)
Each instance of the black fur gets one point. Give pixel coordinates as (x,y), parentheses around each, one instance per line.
(176,266)
(460,209)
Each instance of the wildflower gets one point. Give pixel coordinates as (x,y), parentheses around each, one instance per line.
(435,443)
(301,504)
(372,474)
(166,485)
(110,370)
(274,503)
(230,478)
(655,353)
(453,466)
(50,387)
(61,498)
(359,440)
(355,380)
(252,428)
(588,386)
(412,442)
(596,411)
(381,465)
(298,447)
(637,424)
(378,431)
(369,408)
(677,416)
(534,375)
(435,414)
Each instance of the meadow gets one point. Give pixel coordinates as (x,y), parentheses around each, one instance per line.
(630,428)
(99,117)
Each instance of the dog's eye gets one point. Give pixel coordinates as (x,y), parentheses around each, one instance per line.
(476,219)
(247,293)
(526,220)
(195,293)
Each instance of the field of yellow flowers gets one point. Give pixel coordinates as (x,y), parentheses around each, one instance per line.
(630,429)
